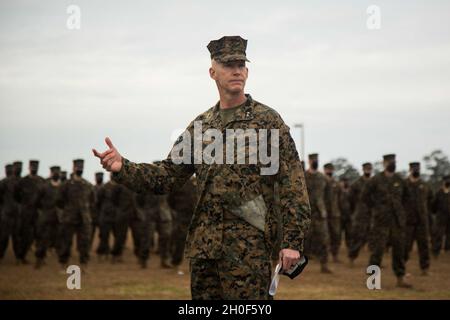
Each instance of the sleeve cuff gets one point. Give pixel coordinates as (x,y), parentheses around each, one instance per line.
(120,176)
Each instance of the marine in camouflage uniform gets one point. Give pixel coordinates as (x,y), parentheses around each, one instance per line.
(386,193)
(9,172)
(164,226)
(77,200)
(230,257)
(107,203)
(345,209)
(417,210)
(441,209)
(331,198)
(28,190)
(144,226)
(8,209)
(49,216)
(116,206)
(95,213)
(182,202)
(126,210)
(317,241)
(361,214)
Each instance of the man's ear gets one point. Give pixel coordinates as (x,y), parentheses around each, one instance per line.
(212,73)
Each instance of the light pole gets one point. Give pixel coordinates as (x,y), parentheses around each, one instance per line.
(301,126)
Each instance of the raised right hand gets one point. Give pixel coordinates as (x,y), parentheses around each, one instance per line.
(111,160)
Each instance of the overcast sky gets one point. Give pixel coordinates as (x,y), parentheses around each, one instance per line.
(137,71)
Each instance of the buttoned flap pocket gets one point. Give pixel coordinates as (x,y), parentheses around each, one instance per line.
(254,212)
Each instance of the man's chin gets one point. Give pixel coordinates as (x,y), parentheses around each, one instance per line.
(235,90)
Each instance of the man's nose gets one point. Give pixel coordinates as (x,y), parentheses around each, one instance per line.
(236,71)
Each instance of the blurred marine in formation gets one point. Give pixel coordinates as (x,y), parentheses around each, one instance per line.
(182,202)
(441,209)
(317,239)
(386,195)
(47,235)
(77,201)
(95,212)
(28,190)
(417,208)
(164,225)
(331,198)
(143,228)
(115,205)
(345,209)
(9,214)
(361,212)
(107,204)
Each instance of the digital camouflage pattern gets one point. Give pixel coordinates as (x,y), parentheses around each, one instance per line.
(143,226)
(95,213)
(164,226)
(27,193)
(331,199)
(49,218)
(182,202)
(441,209)
(386,197)
(107,203)
(10,219)
(346,214)
(361,217)
(222,188)
(417,220)
(77,200)
(243,273)
(228,48)
(126,210)
(318,237)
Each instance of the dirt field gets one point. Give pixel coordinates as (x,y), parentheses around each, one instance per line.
(127,281)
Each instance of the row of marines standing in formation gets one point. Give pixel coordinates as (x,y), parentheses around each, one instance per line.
(385,211)
(50,212)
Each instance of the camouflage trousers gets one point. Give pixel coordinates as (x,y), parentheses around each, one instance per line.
(379,237)
(142,232)
(9,228)
(118,229)
(441,230)
(179,235)
(95,227)
(243,272)
(420,234)
(164,239)
(334,229)
(27,230)
(317,241)
(46,235)
(346,231)
(360,233)
(83,234)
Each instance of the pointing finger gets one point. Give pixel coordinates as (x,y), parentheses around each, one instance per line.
(109,142)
